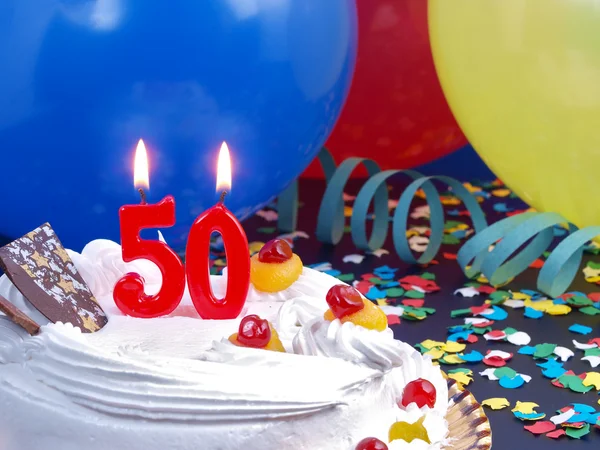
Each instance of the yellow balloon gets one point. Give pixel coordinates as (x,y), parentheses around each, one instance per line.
(523,80)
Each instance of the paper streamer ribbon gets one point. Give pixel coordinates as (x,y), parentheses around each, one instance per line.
(507,235)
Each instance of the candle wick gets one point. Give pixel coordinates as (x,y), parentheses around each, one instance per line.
(222,198)
(142,195)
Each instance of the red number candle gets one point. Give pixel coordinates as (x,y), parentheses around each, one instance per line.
(219,219)
(129,292)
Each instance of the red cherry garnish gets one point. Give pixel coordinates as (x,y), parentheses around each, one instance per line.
(371,444)
(275,251)
(254,332)
(419,391)
(344,300)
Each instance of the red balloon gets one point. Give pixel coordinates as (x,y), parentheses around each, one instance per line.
(396,112)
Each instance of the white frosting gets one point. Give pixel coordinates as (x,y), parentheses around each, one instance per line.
(177,382)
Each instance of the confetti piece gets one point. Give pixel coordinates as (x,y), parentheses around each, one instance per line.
(580,329)
(496,403)
(544,350)
(591,379)
(590,310)
(582,346)
(505,372)
(532,313)
(380,252)
(556,433)
(496,335)
(563,353)
(558,310)
(393,319)
(489,374)
(467,292)
(519,338)
(515,304)
(472,357)
(497,314)
(499,354)
(461,376)
(454,347)
(512,383)
(527,350)
(593,360)
(574,383)
(355,259)
(561,418)
(452,359)
(583,408)
(415,303)
(578,433)
(541,427)
(554,372)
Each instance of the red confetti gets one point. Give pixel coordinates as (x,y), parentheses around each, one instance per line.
(496,334)
(451,256)
(537,264)
(556,433)
(464,213)
(413,280)
(472,338)
(594,296)
(488,323)
(573,425)
(541,427)
(368,276)
(516,212)
(594,341)
(363,286)
(393,319)
(565,409)
(486,289)
(478,309)
(494,361)
(414,302)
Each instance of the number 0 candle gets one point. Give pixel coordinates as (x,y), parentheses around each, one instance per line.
(129,292)
(219,219)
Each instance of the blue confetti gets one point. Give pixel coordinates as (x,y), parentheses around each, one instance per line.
(511,383)
(460,234)
(581,417)
(472,357)
(593,418)
(533,313)
(529,416)
(533,294)
(453,212)
(375,293)
(583,408)
(526,350)
(386,275)
(458,329)
(501,207)
(390,285)
(332,272)
(559,301)
(550,364)
(554,372)
(384,269)
(498,314)
(462,335)
(580,329)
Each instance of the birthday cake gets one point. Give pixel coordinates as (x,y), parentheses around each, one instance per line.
(309,365)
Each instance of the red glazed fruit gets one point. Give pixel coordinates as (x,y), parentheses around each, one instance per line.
(254,332)
(275,251)
(344,300)
(371,444)
(419,391)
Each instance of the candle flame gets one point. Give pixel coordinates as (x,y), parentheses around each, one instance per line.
(141,178)
(224,169)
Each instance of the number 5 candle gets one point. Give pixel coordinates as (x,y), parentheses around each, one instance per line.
(129,292)
(219,219)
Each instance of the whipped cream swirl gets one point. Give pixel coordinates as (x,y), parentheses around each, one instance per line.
(375,349)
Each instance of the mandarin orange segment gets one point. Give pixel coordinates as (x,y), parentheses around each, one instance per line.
(274,344)
(371,317)
(409,432)
(274,277)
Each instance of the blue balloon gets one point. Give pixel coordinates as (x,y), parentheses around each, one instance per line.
(82,81)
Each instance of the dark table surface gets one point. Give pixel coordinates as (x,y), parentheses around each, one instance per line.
(508,432)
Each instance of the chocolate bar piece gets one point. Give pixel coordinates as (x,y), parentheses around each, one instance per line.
(40,267)
(18,317)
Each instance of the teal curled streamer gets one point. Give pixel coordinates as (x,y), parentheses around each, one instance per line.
(530,230)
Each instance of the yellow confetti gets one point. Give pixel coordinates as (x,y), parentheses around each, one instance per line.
(450,201)
(496,403)
(454,347)
(539,305)
(382,302)
(525,407)
(559,310)
(429,344)
(520,296)
(501,192)
(453,359)
(459,227)
(471,188)
(435,353)
(220,262)
(592,379)
(255,247)
(411,233)
(347,211)
(461,377)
